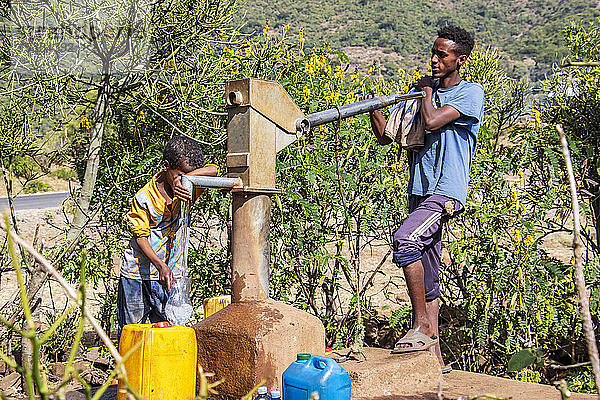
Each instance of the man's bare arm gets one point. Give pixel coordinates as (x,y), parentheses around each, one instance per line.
(207,170)
(378,125)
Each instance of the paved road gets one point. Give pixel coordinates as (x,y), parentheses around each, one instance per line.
(34,201)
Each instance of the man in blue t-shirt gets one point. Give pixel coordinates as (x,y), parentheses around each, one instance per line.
(439,176)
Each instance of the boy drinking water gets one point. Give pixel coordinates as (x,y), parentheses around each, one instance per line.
(155,258)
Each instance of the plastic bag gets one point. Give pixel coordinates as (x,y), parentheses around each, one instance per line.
(178,308)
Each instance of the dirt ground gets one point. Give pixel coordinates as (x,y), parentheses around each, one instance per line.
(455,385)
(468,385)
(461,383)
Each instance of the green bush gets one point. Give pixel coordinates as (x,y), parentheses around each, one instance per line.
(582,381)
(64,173)
(25,167)
(36,186)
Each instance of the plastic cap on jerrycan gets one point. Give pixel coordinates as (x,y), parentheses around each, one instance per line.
(316,374)
(275,395)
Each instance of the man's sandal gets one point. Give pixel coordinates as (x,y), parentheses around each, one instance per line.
(414,341)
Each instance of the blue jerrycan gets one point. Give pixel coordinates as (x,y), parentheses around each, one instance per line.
(319,374)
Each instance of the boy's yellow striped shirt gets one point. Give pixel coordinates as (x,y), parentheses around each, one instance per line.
(151,217)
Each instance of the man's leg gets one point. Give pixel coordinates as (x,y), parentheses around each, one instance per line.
(157,298)
(414,275)
(433,309)
(431,266)
(425,313)
(416,249)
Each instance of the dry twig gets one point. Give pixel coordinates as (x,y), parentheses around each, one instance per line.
(584,301)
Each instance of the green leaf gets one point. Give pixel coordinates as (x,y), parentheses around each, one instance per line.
(520,360)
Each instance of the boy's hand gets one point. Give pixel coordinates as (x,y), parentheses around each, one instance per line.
(183,193)
(165,276)
(180,191)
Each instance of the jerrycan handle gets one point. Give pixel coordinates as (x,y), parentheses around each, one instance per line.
(320,362)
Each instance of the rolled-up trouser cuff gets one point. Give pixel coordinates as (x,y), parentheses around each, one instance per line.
(434,293)
(406,258)
(432,284)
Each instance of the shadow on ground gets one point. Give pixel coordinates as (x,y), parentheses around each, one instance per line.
(109,394)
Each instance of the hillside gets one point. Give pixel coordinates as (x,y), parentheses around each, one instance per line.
(527,32)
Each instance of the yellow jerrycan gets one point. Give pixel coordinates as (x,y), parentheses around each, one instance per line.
(214,304)
(164,364)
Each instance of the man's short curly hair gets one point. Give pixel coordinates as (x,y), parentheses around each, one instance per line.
(463,39)
(182,149)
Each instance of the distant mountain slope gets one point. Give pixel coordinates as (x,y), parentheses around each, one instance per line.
(527,32)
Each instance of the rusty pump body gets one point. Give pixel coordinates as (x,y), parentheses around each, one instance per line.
(256,338)
(261,122)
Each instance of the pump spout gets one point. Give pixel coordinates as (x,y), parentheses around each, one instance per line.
(218,182)
(352,109)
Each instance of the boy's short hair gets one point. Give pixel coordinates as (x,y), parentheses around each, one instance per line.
(463,39)
(183,149)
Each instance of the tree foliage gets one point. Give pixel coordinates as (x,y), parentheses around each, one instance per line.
(573,100)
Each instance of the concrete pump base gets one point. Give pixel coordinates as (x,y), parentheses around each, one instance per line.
(253,340)
(392,376)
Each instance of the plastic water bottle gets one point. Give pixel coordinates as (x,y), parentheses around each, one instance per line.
(178,308)
(275,395)
(262,394)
